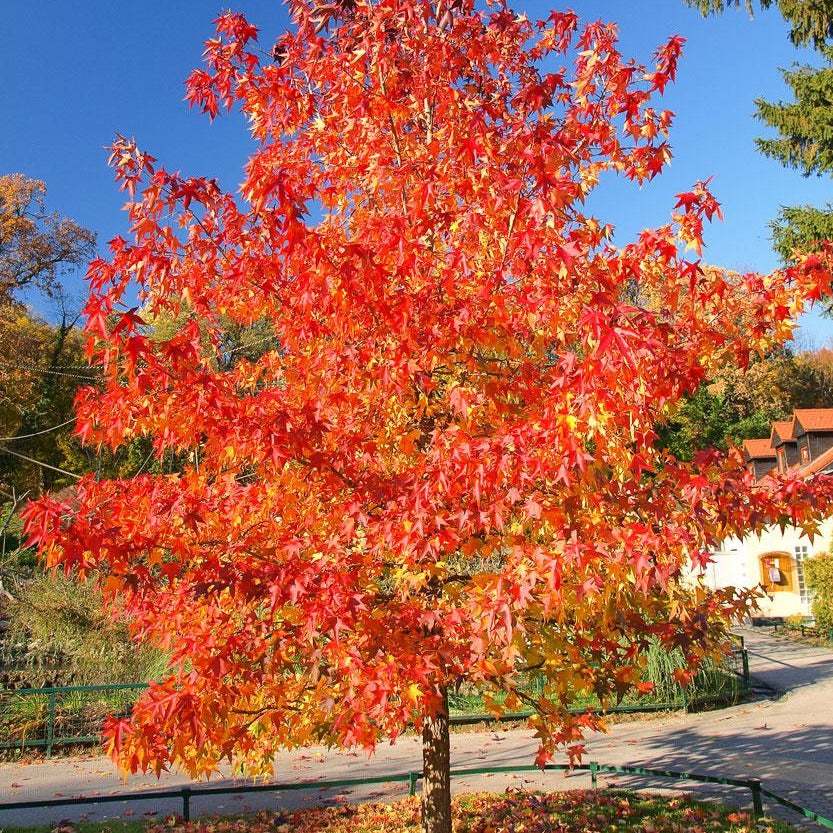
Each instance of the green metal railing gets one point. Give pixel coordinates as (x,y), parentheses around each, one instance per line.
(47,718)
(733,683)
(186,793)
(805,629)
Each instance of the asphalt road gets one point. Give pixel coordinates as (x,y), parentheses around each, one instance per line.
(786,741)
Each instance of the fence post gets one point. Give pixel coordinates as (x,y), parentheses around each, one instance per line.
(757,798)
(594,774)
(186,803)
(413,777)
(50,723)
(745,661)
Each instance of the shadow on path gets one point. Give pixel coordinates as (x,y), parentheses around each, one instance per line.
(785,665)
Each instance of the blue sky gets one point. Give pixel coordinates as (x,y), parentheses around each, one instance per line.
(76,73)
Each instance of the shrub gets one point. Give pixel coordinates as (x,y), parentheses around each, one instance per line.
(818,571)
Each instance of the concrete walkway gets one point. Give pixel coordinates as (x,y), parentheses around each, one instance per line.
(787,742)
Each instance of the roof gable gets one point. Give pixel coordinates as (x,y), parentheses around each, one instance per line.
(806,420)
(782,432)
(758,449)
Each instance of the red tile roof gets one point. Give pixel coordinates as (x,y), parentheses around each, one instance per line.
(759,449)
(784,431)
(813,419)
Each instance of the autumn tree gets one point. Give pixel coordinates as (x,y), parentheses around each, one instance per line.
(36,245)
(446,469)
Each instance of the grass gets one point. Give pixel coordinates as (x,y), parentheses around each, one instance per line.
(793,633)
(575,811)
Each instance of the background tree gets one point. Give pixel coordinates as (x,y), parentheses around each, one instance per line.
(820,364)
(802,142)
(36,246)
(741,403)
(810,21)
(802,126)
(447,468)
(41,364)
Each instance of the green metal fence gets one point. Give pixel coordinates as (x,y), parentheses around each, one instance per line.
(726,684)
(186,793)
(805,629)
(47,718)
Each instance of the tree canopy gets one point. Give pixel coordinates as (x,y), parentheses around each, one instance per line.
(36,245)
(41,364)
(445,466)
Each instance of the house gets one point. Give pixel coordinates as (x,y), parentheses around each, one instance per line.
(760,456)
(784,445)
(775,559)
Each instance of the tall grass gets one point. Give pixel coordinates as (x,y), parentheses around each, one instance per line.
(715,681)
(58,616)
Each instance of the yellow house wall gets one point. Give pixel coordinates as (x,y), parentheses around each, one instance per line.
(738,564)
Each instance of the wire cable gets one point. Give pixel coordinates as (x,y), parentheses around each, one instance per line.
(39,463)
(35,369)
(36,433)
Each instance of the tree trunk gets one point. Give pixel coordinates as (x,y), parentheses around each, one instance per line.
(436,777)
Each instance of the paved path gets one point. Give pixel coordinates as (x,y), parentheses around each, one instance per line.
(786,742)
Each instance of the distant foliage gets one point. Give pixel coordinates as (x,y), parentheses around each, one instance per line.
(739,404)
(36,246)
(41,364)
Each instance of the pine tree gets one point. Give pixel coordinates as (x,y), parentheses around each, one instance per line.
(811,21)
(804,126)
